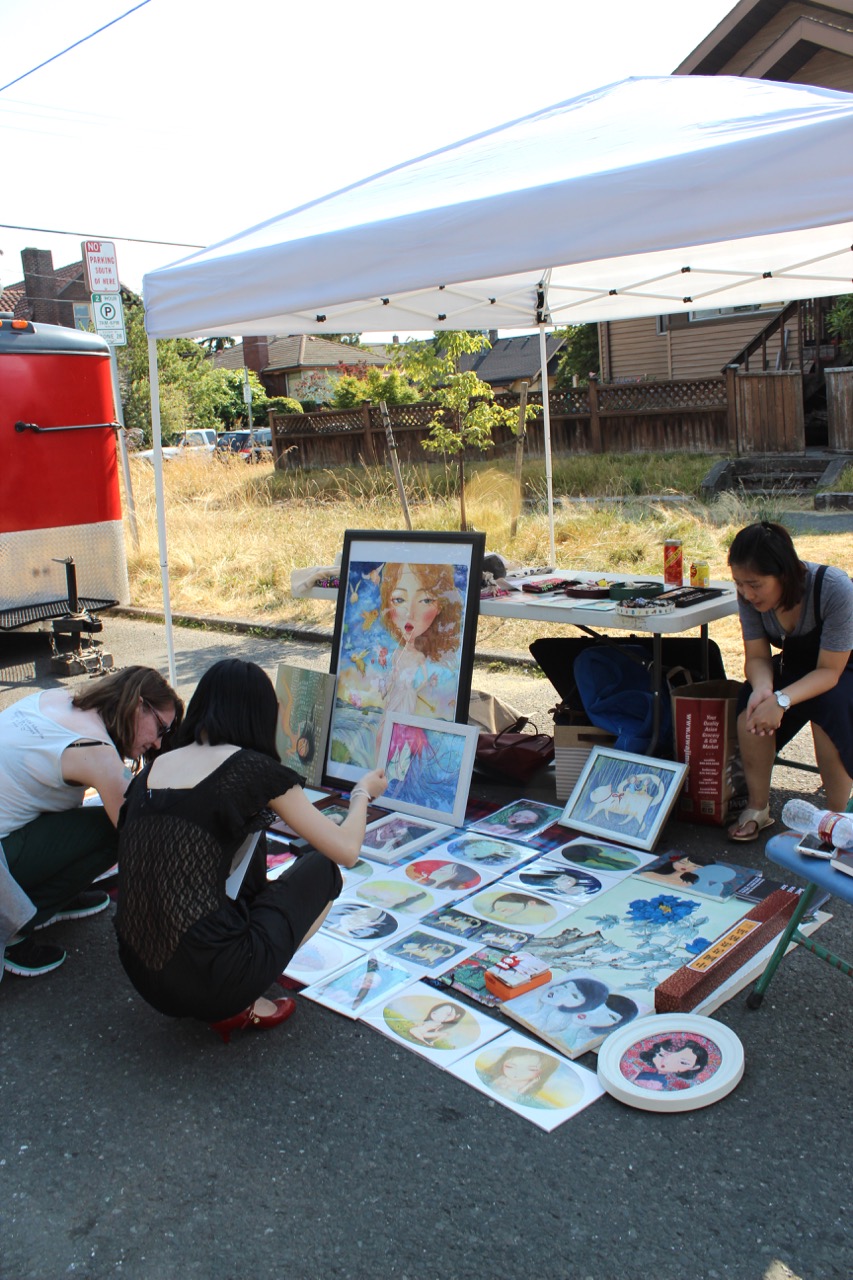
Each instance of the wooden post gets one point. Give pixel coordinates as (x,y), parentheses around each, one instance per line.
(369,446)
(594,418)
(731,408)
(395,463)
(519,458)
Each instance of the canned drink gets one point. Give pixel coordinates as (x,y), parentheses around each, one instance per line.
(673,563)
(700,574)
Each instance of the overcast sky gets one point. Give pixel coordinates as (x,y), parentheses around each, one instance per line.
(189,120)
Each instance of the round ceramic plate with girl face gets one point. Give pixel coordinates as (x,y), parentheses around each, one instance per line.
(671,1062)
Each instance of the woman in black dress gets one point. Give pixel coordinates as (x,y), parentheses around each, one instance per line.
(202,932)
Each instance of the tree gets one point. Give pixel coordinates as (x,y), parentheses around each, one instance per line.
(214,345)
(466,416)
(840,324)
(580,355)
(368,384)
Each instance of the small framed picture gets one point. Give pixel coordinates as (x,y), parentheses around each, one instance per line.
(671,1062)
(394,837)
(623,796)
(429,765)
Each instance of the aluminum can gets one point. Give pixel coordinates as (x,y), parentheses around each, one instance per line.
(700,574)
(673,563)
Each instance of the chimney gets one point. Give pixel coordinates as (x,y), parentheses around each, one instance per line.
(40,286)
(256,353)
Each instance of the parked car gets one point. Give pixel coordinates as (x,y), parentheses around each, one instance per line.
(196,441)
(239,443)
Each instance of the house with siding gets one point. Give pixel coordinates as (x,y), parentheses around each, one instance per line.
(49,295)
(301,366)
(781,40)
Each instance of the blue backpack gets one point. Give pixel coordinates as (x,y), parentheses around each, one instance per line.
(614,685)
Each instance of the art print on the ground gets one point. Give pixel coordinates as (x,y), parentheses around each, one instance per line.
(487,852)
(355,988)
(321,955)
(532,1081)
(428,952)
(671,1062)
(634,935)
(405,627)
(698,873)
(431,1024)
(624,796)
(366,926)
(519,820)
(516,908)
(576,1011)
(561,883)
(597,855)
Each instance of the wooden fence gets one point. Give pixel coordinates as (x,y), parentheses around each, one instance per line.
(741,413)
(649,417)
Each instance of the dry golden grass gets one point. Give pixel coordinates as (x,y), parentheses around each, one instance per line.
(234,535)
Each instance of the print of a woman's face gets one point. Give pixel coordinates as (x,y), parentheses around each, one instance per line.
(443,1013)
(508,910)
(674,1060)
(523,818)
(522,1069)
(566,994)
(413,608)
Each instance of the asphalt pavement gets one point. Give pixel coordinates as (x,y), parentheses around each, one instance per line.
(136,1146)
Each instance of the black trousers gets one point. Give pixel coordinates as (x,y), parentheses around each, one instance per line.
(228,959)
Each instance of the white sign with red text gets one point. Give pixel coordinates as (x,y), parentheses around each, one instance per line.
(101,266)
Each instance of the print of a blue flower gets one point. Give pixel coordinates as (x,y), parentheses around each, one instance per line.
(698,945)
(664,909)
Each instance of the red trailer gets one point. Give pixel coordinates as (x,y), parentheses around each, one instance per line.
(60,504)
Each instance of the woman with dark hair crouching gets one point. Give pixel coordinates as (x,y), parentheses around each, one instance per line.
(806,610)
(202,932)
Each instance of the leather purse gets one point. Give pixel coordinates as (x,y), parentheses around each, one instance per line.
(513,753)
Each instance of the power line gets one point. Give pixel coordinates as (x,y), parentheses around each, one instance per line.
(82,40)
(90,235)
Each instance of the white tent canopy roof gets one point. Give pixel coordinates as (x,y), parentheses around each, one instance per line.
(645,197)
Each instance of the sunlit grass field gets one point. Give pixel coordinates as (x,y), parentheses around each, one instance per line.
(235,532)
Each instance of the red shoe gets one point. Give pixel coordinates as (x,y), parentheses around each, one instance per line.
(248,1018)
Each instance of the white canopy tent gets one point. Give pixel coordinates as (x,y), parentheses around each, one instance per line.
(645,197)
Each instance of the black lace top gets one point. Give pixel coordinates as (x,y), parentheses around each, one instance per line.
(176,847)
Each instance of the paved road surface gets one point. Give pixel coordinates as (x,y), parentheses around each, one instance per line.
(137,1147)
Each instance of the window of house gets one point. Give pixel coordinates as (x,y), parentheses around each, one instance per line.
(721,313)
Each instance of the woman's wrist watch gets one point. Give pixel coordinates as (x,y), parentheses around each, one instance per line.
(782,700)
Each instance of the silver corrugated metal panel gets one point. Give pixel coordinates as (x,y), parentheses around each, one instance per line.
(29,574)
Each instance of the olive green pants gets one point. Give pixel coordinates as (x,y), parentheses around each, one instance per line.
(57,855)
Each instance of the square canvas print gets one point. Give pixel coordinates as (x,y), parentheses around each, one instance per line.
(429,765)
(534,1082)
(366,926)
(393,892)
(564,884)
(519,820)
(486,853)
(595,856)
(396,836)
(516,908)
(698,873)
(624,796)
(321,955)
(428,952)
(576,1010)
(304,712)
(432,1024)
(405,627)
(352,990)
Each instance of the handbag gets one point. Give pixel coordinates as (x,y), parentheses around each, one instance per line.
(513,753)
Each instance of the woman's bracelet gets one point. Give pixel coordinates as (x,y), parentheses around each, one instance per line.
(361,791)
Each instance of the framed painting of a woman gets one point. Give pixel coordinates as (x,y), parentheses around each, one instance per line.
(405,630)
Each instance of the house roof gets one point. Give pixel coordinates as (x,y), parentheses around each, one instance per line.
(792,39)
(73,273)
(301,351)
(509,359)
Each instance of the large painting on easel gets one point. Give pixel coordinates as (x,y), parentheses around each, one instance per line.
(405,630)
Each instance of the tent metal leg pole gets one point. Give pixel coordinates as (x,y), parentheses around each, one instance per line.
(154,383)
(546,427)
